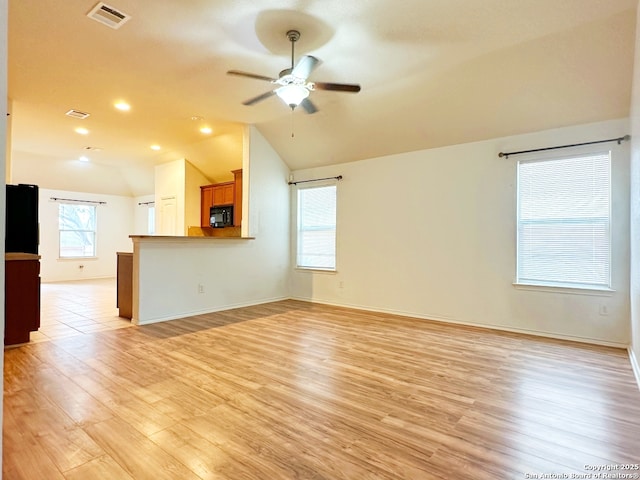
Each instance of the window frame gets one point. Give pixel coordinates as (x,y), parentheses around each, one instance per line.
(296,230)
(94,231)
(551,285)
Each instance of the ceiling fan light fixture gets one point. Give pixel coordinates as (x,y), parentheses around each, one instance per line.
(292,95)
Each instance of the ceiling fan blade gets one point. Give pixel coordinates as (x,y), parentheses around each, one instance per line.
(337,87)
(250,75)
(305,66)
(259,98)
(308,106)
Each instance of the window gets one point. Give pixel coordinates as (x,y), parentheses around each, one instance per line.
(77,225)
(564,222)
(317,228)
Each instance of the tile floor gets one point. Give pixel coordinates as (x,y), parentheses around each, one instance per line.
(77,308)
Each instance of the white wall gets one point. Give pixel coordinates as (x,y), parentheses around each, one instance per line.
(141,215)
(3,142)
(193,180)
(232,272)
(7,146)
(179,179)
(114,225)
(432,234)
(635,210)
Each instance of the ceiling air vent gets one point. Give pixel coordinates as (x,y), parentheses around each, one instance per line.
(77,114)
(107,15)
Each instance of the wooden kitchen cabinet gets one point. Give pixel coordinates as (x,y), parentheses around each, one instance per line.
(237,202)
(221,194)
(21,296)
(206,202)
(124,282)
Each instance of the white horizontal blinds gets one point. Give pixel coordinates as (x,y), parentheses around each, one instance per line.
(317,227)
(564,221)
(77,228)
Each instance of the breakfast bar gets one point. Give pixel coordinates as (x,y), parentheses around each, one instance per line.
(177,276)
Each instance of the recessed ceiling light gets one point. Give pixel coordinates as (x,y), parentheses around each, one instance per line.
(82,131)
(156,147)
(83,159)
(206,130)
(122,106)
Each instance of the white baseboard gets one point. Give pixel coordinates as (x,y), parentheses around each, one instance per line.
(78,279)
(221,308)
(634,365)
(537,333)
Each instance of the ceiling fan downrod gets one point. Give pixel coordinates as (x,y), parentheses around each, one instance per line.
(293,36)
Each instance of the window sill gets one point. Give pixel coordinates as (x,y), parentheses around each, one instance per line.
(582,290)
(63,259)
(316,270)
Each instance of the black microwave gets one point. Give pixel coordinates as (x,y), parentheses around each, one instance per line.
(221,216)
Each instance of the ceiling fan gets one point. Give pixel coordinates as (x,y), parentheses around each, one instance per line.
(293,87)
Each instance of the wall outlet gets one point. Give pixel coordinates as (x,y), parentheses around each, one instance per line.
(604,310)
(341,284)
(200,288)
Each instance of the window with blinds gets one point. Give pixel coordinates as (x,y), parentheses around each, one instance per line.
(77,230)
(564,222)
(317,228)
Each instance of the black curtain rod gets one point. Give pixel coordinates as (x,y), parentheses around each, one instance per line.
(619,140)
(339,177)
(145,203)
(79,201)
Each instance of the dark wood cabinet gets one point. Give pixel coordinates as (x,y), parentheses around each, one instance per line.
(124,284)
(21,296)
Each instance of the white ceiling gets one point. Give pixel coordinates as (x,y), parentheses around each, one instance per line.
(433,73)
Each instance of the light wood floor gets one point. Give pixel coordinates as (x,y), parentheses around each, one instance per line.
(291,390)
(77,307)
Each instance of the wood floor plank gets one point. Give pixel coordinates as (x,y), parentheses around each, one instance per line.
(103,467)
(70,448)
(27,461)
(140,457)
(204,458)
(297,390)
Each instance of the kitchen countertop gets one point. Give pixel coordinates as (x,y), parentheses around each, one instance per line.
(21,256)
(185,238)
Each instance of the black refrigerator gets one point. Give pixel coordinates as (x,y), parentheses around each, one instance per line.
(21,234)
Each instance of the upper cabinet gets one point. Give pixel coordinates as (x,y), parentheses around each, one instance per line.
(222,194)
(206,202)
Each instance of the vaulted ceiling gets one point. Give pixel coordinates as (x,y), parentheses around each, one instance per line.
(432,72)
